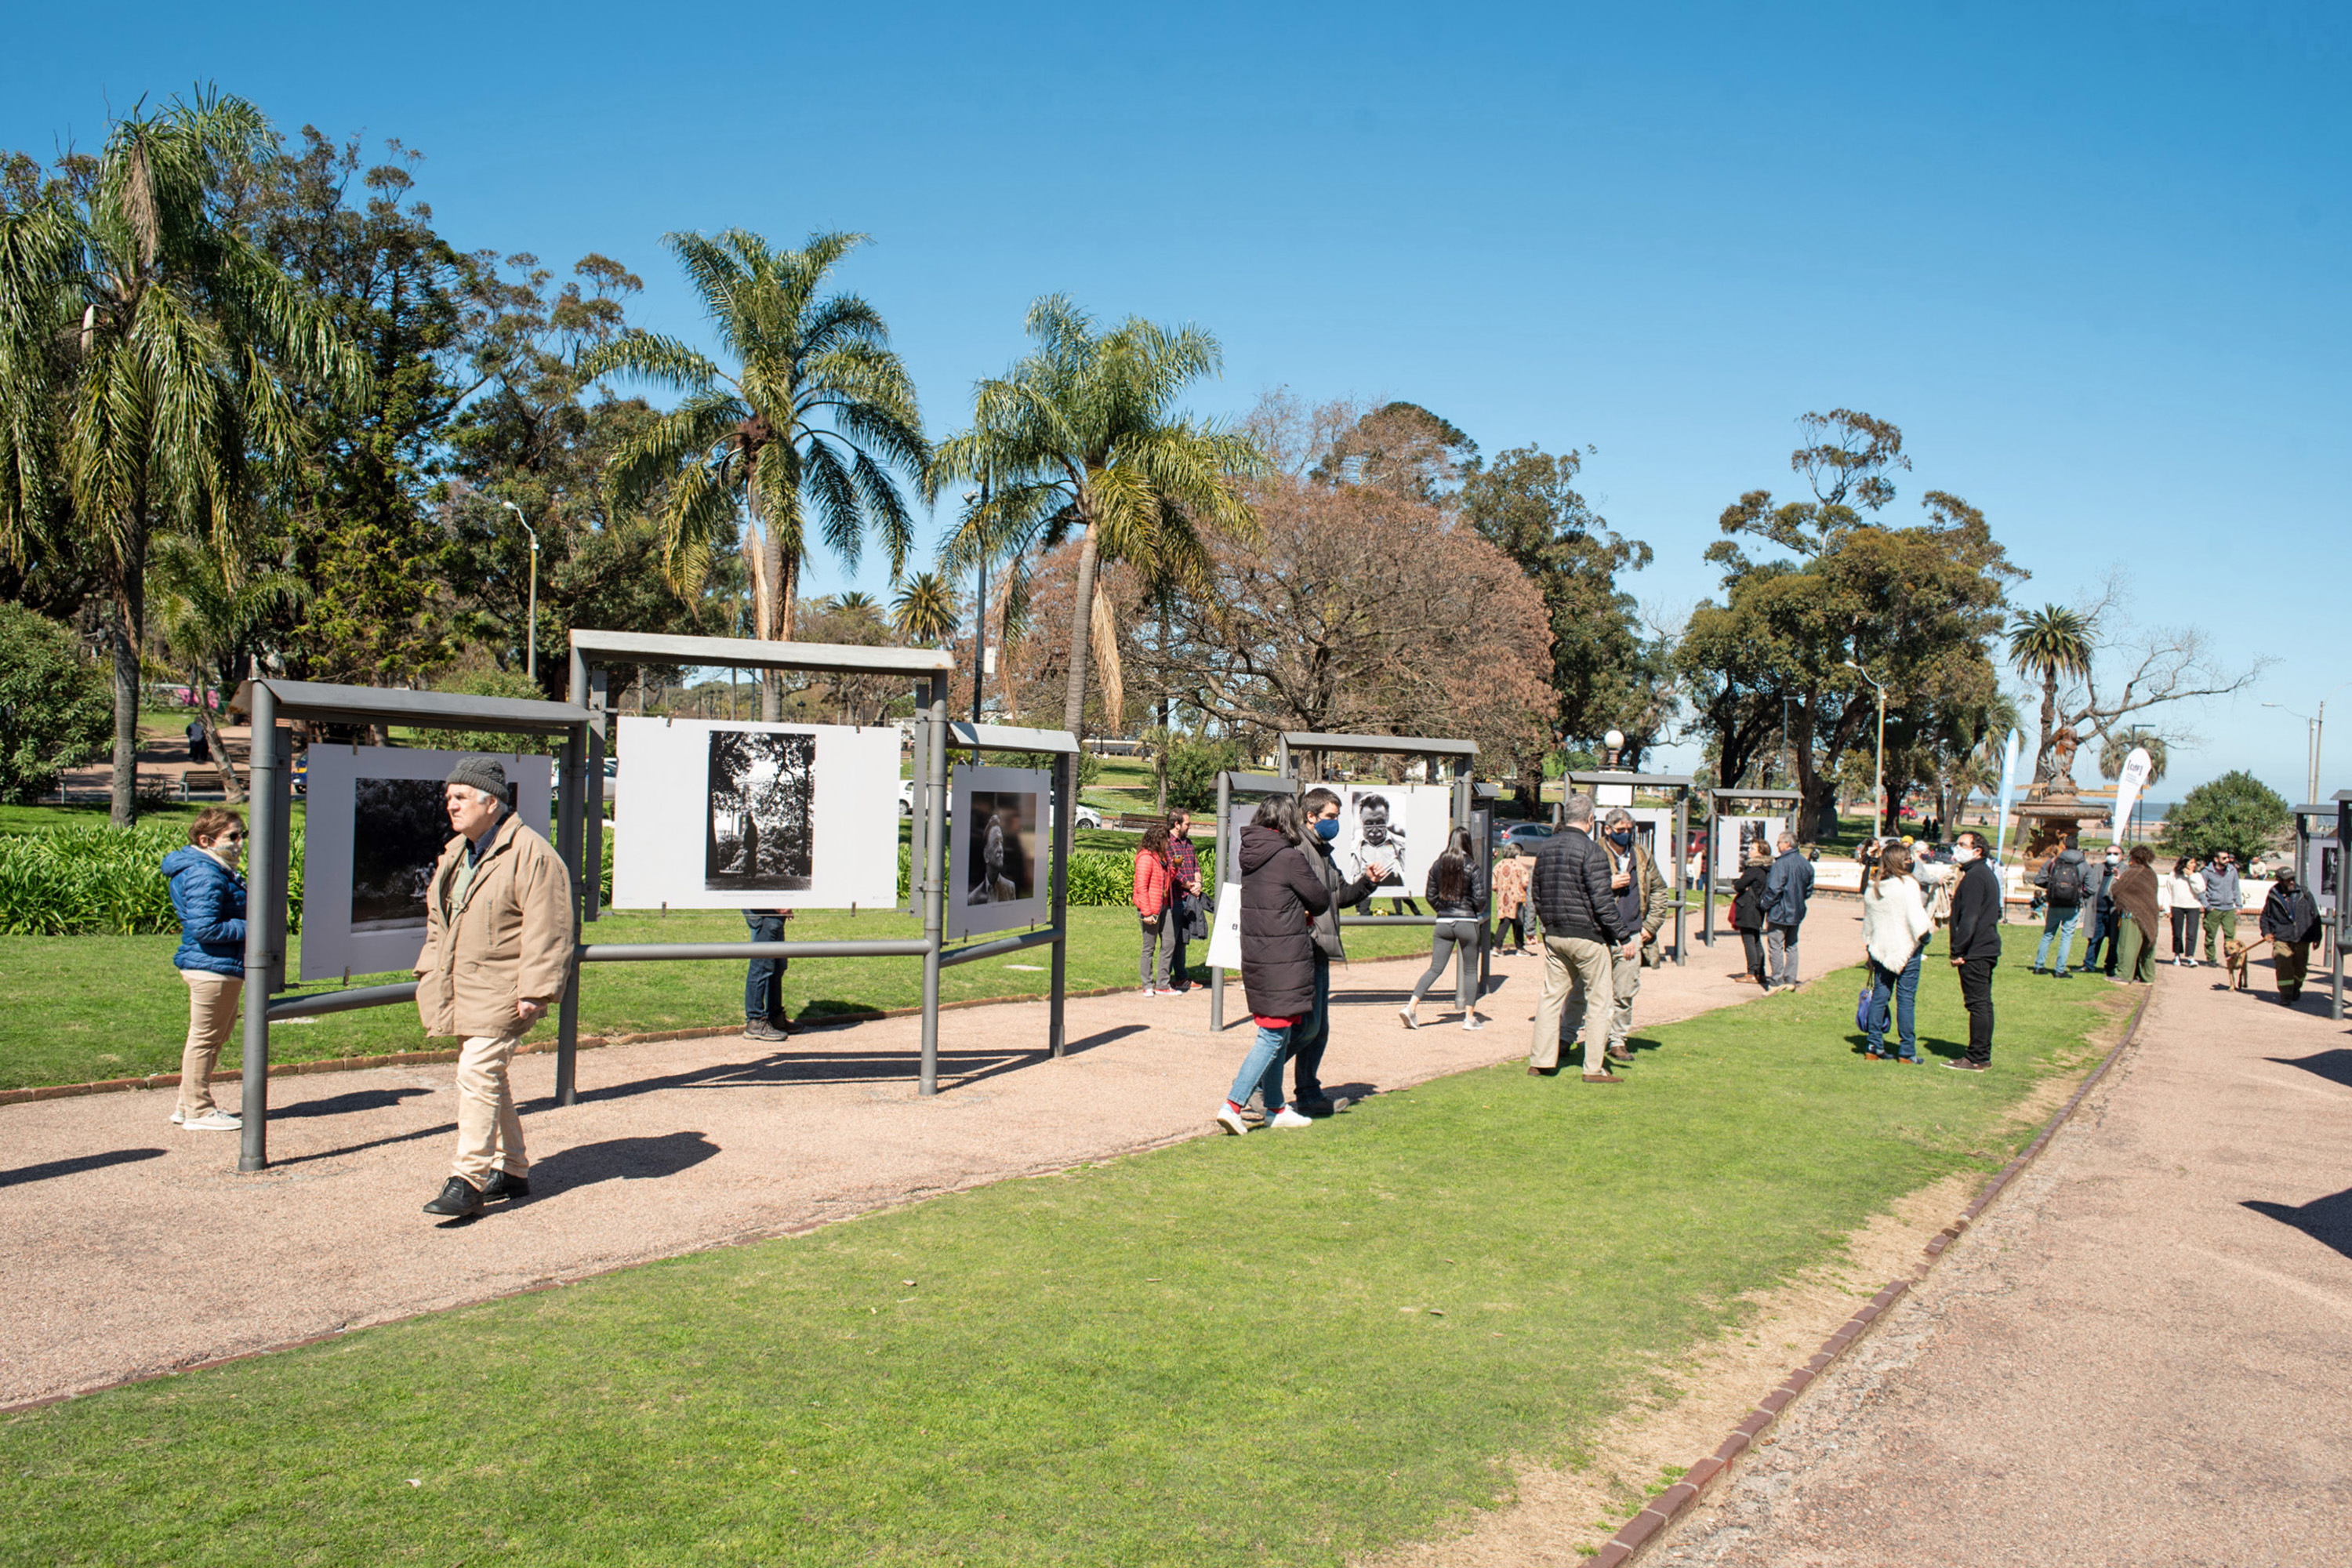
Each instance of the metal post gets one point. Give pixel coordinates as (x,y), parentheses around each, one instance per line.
(1225,873)
(1682,878)
(265,871)
(935,861)
(570,835)
(1466,976)
(1066,821)
(1714,870)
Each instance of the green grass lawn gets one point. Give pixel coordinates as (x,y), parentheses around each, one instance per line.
(1286,1348)
(88,1008)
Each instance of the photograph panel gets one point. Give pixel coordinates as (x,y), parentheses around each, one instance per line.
(760,828)
(399,828)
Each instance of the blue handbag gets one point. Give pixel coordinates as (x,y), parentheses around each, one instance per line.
(1862,1007)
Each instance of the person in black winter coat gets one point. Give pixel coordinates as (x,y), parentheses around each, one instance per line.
(2291,920)
(1976,944)
(1318,828)
(1747,908)
(1581,926)
(1281,896)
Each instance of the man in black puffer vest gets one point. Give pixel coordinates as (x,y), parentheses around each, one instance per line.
(1580,928)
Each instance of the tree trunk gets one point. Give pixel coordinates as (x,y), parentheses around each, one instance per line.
(127,620)
(2049,717)
(208,718)
(1074,702)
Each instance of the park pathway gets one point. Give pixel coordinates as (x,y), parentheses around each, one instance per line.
(130,1247)
(2139,1356)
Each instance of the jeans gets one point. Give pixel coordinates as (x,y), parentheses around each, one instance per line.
(1576,980)
(1976,995)
(2106,932)
(1904,989)
(2061,924)
(1158,948)
(1261,1071)
(2222,923)
(1178,969)
(1780,956)
(763,982)
(1308,1040)
(1448,937)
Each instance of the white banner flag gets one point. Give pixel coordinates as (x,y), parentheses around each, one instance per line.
(2128,788)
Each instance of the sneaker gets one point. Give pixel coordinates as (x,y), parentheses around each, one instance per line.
(761,1029)
(1962,1063)
(1411,1019)
(2037,969)
(457,1198)
(1473,1022)
(1288,1117)
(1229,1116)
(2066,974)
(175,1119)
(213,1121)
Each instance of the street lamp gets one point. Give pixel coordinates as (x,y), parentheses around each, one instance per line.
(2315,734)
(1878,768)
(530,651)
(1615,741)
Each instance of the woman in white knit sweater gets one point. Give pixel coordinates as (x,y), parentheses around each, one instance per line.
(1895,928)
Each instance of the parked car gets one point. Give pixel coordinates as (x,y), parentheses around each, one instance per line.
(1087,817)
(1528,835)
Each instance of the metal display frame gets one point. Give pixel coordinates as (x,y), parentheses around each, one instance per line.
(1715,799)
(1684,786)
(2342,899)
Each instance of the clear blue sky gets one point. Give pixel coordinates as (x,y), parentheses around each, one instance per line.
(2092,259)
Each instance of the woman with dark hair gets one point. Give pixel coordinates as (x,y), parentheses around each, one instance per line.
(1459,903)
(2136,894)
(1747,908)
(1154,895)
(1895,927)
(1281,895)
(2184,895)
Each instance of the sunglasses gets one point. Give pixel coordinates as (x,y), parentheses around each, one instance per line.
(231,837)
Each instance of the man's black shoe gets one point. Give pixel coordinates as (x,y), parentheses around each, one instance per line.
(458,1198)
(505,1185)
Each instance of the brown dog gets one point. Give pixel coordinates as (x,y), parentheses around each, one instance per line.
(2236,956)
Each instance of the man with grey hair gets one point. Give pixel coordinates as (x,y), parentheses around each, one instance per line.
(1644,900)
(497,955)
(1786,888)
(1580,927)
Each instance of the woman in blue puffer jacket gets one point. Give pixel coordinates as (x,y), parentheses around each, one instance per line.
(209,898)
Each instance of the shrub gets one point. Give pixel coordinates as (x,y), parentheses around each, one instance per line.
(56,707)
(2236,812)
(489,683)
(101,881)
(1192,770)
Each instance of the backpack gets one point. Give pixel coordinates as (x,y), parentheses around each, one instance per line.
(2066,883)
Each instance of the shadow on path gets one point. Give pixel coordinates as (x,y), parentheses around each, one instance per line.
(2334,1065)
(2328,1221)
(48,1170)
(624,1160)
(348,1104)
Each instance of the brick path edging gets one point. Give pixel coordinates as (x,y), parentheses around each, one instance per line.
(1661,1511)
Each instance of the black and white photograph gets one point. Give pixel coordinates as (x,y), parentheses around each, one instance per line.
(1402,827)
(1000,847)
(399,828)
(760,825)
(1735,837)
(997,821)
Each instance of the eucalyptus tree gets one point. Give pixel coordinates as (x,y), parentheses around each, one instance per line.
(810,425)
(2050,645)
(1082,435)
(150,356)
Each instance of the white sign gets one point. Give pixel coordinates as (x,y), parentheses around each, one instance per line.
(995,842)
(2323,869)
(718,815)
(373,827)
(1225,937)
(2128,785)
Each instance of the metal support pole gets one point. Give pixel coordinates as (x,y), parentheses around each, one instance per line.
(570,835)
(269,764)
(1714,870)
(1465,963)
(1682,879)
(1225,874)
(1066,821)
(935,864)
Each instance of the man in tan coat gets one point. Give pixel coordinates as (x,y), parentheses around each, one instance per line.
(497,955)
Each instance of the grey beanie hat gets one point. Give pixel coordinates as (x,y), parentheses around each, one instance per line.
(485,773)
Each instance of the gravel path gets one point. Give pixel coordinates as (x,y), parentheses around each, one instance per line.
(2138,1357)
(131,1247)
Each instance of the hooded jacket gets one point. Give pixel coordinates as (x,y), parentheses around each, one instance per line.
(2290,915)
(1282,899)
(209,898)
(509,942)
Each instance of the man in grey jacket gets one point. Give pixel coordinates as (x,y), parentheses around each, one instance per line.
(2221,897)
(1786,888)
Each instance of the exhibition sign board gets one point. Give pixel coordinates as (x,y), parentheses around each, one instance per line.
(1735,835)
(720,815)
(1402,826)
(374,827)
(995,878)
(2323,869)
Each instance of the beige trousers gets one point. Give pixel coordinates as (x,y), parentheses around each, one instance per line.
(1625,983)
(490,1133)
(1576,979)
(212,1013)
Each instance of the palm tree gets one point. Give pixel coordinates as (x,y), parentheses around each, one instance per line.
(2117,750)
(147,354)
(857,603)
(816,415)
(925,610)
(215,609)
(2050,645)
(1082,435)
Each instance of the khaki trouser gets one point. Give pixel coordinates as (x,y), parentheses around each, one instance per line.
(212,1013)
(490,1133)
(2290,963)
(1626,981)
(1576,977)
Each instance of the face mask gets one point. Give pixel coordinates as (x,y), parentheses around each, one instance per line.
(1964,852)
(1623,840)
(1327,828)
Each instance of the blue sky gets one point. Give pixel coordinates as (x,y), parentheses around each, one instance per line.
(2092,259)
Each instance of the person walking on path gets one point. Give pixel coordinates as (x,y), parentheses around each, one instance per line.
(1282,897)
(1511,870)
(2291,920)
(2104,913)
(2066,882)
(1894,932)
(1154,896)
(1319,828)
(1459,903)
(2184,896)
(2221,896)
(1582,933)
(1748,911)
(763,980)
(1184,871)
(1976,944)
(1786,888)
(209,898)
(496,955)
(1644,901)
(2137,893)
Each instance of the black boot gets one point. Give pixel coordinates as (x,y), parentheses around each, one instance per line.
(504,1184)
(458,1199)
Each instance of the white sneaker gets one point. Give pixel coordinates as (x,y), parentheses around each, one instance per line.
(1473,1022)
(1288,1117)
(175,1119)
(1229,1116)
(214,1121)
(1411,1019)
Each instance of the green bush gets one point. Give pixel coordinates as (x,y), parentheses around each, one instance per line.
(1089,765)
(2236,812)
(100,881)
(488,683)
(56,708)
(1192,770)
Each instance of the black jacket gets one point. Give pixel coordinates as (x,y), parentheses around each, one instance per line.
(1281,895)
(1469,907)
(2290,917)
(1570,887)
(1976,912)
(1747,898)
(1344,895)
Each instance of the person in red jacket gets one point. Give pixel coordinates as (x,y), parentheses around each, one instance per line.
(1154,898)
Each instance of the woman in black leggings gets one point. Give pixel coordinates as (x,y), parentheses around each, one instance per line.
(1460,905)
(2185,919)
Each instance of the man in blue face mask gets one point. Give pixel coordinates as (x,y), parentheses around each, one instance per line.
(1643,901)
(1320,811)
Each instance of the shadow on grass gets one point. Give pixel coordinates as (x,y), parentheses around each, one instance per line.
(50,1170)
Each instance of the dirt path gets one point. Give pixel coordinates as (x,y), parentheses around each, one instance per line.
(2137,1357)
(132,1248)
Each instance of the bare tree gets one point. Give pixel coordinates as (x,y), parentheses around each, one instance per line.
(2135,669)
